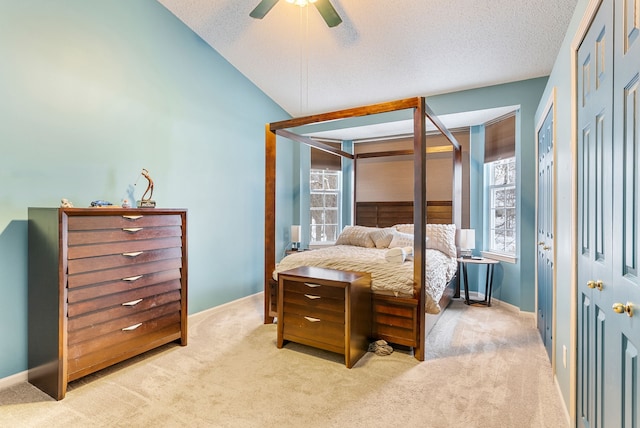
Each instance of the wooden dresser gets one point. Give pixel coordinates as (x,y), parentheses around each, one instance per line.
(327,309)
(105,284)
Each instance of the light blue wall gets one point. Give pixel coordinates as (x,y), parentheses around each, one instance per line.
(93,91)
(515,283)
(560,79)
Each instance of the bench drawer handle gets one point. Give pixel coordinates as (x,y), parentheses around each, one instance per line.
(310,319)
(132,217)
(132,327)
(312,285)
(132,229)
(312,296)
(132,303)
(132,278)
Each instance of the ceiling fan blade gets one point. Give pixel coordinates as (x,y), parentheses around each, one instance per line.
(262,8)
(328,12)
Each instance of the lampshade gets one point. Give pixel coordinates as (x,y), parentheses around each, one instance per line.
(295,233)
(467,239)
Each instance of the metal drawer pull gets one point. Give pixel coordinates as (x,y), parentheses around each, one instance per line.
(310,319)
(312,296)
(132,217)
(132,229)
(312,285)
(135,254)
(132,278)
(132,303)
(132,327)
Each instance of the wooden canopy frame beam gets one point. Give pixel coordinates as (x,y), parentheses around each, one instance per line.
(421,112)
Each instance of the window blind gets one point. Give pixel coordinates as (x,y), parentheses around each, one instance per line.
(324,160)
(500,139)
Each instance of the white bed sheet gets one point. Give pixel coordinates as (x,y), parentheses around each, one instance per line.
(387,278)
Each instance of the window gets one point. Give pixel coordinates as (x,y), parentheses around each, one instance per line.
(502,206)
(325,205)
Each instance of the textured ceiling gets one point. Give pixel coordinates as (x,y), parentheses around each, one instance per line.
(384,50)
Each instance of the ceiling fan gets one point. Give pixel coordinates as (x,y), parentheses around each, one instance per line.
(325,8)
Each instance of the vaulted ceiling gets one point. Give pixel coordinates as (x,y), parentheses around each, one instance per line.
(383,50)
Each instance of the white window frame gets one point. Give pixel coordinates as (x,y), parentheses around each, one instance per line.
(493,247)
(338,197)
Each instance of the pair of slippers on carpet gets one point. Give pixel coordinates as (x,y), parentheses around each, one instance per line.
(380,347)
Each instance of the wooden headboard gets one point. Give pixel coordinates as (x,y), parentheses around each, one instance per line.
(385,214)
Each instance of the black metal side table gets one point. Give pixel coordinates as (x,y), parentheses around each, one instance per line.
(488,287)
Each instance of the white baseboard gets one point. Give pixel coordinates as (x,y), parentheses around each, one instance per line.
(13,380)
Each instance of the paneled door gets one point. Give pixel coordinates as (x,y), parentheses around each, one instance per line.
(626,283)
(595,260)
(545,231)
(608,218)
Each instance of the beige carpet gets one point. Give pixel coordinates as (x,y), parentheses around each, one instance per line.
(485,367)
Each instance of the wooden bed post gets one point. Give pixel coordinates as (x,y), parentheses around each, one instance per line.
(269,218)
(419,219)
(456,207)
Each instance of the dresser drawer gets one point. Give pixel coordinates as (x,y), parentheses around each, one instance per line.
(127,332)
(315,288)
(126,273)
(89,264)
(89,299)
(130,321)
(321,307)
(81,251)
(91,355)
(311,330)
(126,305)
(124,234)
(122,221)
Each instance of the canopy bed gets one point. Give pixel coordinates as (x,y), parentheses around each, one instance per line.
(399,319)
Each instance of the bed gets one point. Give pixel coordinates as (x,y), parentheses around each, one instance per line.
(387,254)
(398,318)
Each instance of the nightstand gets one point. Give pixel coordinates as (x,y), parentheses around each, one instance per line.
(488,286)
(327,309)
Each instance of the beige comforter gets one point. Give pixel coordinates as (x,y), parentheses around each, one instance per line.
(386,277)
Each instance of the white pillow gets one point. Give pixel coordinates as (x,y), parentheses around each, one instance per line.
(395,255)
(401,240)
(404,228)
(399,255)
(405,240)
(382,237)
(359,236)
(442,237)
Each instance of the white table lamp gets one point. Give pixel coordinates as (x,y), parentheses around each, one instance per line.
(466,242)
(295,237)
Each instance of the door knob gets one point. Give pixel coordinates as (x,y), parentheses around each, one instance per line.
(591,284)
(541,243)
(599,285)
(619,308)
(546,247)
